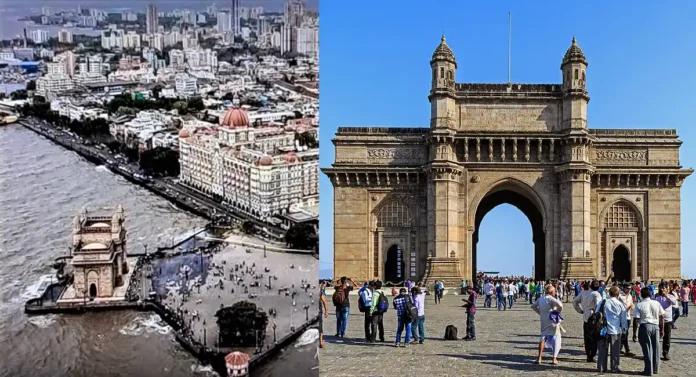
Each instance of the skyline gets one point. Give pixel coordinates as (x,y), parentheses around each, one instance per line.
(618,98)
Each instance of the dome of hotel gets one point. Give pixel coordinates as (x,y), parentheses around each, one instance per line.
(235,118)
(265,161)
(184,133)
(237,359)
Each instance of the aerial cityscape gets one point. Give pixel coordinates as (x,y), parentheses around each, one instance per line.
(175,170)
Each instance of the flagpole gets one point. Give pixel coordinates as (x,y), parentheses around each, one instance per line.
(509,43)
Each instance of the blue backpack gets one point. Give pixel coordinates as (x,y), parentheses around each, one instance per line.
(382,302)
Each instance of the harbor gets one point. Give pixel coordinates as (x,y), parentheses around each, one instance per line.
(187,282)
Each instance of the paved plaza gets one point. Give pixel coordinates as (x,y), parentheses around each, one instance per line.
(285,270)
(506,345)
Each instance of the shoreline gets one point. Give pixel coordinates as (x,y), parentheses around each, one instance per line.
(88,155)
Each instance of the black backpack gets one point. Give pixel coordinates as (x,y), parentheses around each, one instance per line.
(361,303)
(450,332)
(597,323)
(411,312)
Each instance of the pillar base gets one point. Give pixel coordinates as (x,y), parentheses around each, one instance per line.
(443,269)
(577,268)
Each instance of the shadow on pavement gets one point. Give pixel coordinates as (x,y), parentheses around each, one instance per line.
(519,362)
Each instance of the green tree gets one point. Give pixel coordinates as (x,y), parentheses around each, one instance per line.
(241,325)
(302,236)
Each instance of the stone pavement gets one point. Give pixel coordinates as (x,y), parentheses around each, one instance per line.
(506,345)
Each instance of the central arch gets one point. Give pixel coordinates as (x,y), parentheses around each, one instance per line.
(524,198)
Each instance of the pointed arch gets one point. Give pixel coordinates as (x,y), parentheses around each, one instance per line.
(511,184)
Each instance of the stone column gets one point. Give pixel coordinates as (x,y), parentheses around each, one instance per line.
(443,214)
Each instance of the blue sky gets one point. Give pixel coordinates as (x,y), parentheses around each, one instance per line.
(375,72)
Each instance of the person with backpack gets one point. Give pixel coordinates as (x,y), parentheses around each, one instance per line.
(378,306)
(613,324)
(549,307)
(341,301)
(470,305)
(585,303)
(418,327)
(404,306)
(364,305)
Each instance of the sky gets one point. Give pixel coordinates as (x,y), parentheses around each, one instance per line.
(375,72)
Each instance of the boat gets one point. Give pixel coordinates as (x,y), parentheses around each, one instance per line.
(8,120)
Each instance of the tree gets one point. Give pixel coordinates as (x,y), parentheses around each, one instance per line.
(18,94)
(241,325)
(31,85)
(160,161)
(248,227)
(196,103)
(302,236)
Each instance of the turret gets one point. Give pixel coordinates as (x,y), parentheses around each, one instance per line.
(574,67)
(442,92)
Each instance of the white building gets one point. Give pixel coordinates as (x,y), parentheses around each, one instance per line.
(112,39)
(258,171)
(54,83)
(38,36)
(176,58)
(223,21)
(307,41)
(190,41)
(65,36)
(94,63)
(131,40)
(129,16)
(185,85)
(201,58)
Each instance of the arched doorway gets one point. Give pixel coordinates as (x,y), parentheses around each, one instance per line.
(92,291)
(621,264)
(530,210)
(394,265)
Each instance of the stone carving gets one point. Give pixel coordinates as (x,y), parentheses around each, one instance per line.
(399,154)
(517,118)
(621,156)
(475,179)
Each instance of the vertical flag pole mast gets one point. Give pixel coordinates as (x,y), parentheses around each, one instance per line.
(509,43)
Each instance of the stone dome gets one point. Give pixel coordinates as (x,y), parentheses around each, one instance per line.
(265,161)
(443,52)
(574,54)
(235,118)
(184,133)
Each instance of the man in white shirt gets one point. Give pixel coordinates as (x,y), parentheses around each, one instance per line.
(585,303)
(627,300)
(513,293)
(488,291)
(650,316)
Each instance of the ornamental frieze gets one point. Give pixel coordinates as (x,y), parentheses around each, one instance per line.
(396,154)
(621,157)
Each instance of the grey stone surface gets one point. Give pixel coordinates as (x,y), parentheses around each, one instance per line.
(506,345)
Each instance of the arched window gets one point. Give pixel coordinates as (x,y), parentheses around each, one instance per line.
(393,215)
(575,75)
(621,215)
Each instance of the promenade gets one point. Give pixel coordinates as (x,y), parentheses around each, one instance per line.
(506,345)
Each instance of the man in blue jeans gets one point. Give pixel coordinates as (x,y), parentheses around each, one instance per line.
(400,303)
(343,307)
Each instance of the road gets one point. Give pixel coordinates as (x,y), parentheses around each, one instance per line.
(165,187)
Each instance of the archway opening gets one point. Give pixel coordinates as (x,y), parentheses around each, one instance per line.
(394,266)
(621,264)
(92,290)
(530,210)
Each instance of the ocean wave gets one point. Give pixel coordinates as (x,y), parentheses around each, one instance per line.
(146,324)
(43,321)
(203,369)
(101,168)
(308,337)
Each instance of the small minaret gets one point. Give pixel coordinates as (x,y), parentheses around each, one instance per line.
(575,97)
(442,92)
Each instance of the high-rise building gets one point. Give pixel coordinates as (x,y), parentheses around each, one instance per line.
(39,36)
(294,11)
(151,22)
(236,13)
(65,36)
(223,21)
(46,11)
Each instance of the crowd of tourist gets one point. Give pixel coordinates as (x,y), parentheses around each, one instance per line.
(609,308)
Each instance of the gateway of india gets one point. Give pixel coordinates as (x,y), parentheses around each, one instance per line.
(408,202)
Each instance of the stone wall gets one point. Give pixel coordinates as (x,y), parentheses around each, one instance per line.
(351,231)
